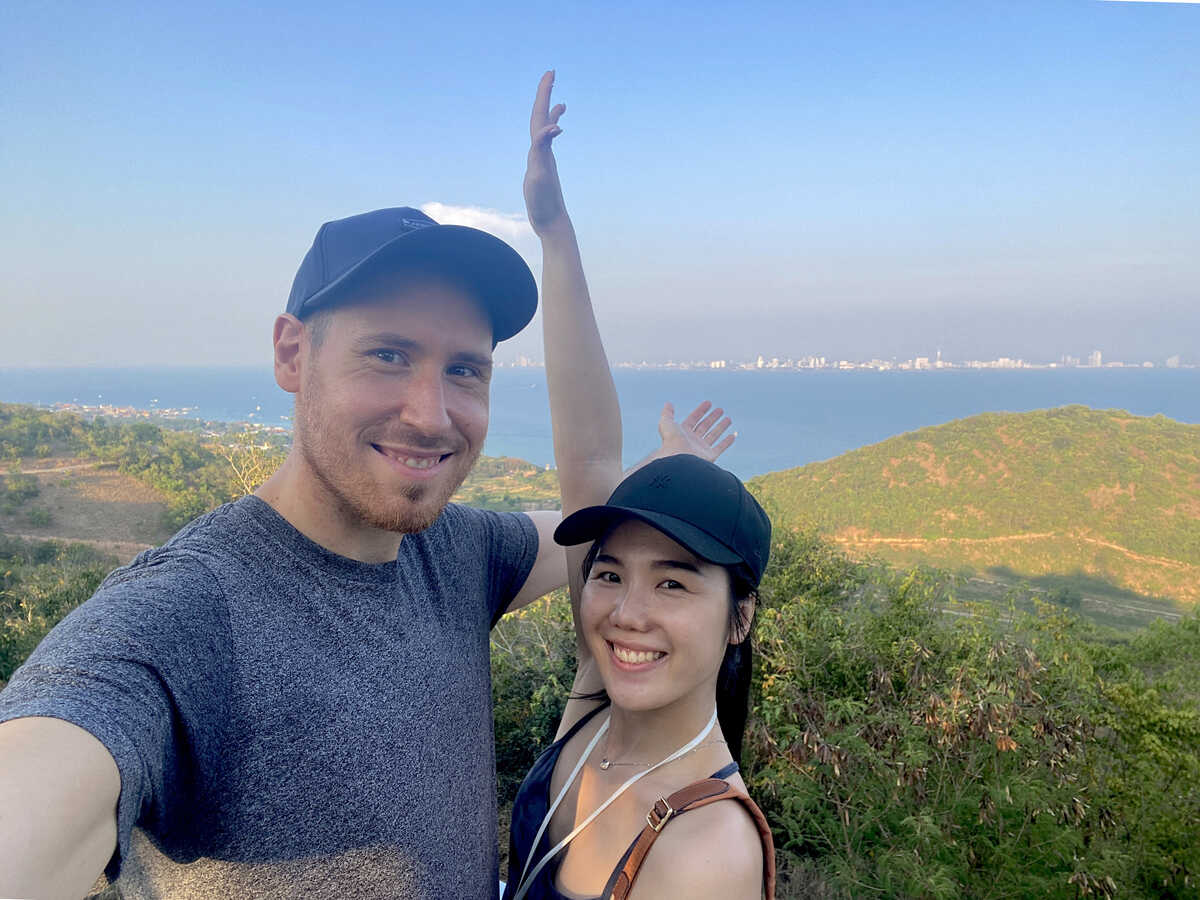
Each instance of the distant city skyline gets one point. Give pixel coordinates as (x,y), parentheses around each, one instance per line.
(1094,360)
(850,180)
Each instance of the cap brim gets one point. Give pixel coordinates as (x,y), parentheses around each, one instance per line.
(494,272)
(592,522)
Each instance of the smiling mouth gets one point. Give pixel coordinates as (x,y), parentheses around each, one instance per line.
(635,657)
(417,463)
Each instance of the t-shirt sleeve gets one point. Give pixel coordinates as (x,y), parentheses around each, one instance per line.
(509,543)
(135,666)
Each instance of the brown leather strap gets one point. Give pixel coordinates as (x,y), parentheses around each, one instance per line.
(694,796)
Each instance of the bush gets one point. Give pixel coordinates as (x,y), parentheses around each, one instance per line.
(40,582)
(904,753)
(533,667)
(901,752)
(16,490)
(1066,597)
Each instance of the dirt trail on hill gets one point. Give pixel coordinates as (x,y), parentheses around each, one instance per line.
(94,504)
(1051,552)
(918,543)
(124,551)
(54,470)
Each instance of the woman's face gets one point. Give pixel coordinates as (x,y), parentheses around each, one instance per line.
(656,619)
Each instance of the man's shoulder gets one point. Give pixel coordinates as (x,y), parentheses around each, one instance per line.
(458,518)
(192,553)
(470,539)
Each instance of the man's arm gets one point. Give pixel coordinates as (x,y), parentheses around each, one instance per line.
(549,570)
(58,808)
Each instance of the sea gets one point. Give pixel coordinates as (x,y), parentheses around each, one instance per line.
(783,417)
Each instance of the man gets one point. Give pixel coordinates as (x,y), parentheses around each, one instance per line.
(292,695)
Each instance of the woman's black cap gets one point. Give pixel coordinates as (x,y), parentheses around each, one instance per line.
(691,500)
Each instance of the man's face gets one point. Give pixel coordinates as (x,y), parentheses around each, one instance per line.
(392,409)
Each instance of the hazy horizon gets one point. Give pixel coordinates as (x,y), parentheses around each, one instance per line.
(848,181)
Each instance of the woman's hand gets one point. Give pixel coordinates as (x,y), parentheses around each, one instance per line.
(698,434)
(543,193)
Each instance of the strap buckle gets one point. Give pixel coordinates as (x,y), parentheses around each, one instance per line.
(659,815)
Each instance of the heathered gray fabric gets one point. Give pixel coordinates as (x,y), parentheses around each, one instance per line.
(287,721)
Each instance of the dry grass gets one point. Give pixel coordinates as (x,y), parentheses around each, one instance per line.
(98,506)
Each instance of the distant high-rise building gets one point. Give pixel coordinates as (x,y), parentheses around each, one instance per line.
(1095,360)
(1173,361)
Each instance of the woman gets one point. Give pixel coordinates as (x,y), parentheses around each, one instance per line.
(663,574)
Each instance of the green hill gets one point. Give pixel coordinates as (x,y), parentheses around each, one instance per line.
(1100,493)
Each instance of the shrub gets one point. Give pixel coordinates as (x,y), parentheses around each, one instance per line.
(904,753)
(40,582)
(533,667)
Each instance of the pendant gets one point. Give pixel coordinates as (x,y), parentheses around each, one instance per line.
(605,764)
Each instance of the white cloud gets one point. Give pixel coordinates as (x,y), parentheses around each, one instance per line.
(515,230)
(511,227)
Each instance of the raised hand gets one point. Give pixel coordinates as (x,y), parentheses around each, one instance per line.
(543,193)
(698,434)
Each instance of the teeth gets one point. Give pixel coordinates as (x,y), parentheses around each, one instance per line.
(411,462)
(424,462)
(635,656)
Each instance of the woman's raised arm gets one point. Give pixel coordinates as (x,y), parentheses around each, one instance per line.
(583,401)
(584,412)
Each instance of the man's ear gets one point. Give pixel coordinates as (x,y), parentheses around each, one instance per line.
(744,620)
(290,342)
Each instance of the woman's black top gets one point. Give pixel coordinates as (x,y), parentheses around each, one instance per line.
(529,809)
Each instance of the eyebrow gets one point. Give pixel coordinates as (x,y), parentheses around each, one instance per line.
(481,360)
(657,564)
(385,337)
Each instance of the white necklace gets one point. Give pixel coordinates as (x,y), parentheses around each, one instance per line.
(528,877)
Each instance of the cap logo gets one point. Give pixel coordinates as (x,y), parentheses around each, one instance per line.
(414,223)
(660,481)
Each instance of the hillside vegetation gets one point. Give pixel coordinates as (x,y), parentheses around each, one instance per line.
(1098,492)
(189,470)
(898,751)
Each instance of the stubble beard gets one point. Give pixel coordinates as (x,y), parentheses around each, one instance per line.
(407,510)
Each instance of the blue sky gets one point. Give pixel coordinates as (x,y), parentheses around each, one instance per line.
(849,179)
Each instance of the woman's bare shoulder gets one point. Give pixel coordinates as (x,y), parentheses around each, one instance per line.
(711,852)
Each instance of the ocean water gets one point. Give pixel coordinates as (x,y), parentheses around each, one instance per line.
(784,418)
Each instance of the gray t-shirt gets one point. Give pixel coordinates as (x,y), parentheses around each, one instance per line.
(287,721)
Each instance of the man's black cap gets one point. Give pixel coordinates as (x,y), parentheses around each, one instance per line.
(691,500)
(349,255)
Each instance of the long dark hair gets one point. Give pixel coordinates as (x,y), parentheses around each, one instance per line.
(737,666)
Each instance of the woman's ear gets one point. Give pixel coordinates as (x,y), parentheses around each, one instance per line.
(745,618)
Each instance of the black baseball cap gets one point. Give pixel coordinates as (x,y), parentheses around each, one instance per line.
(692,501)
(348,255)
